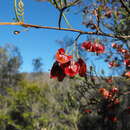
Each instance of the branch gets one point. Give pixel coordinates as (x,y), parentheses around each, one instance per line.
(65,29)
(73,3)
(60,16)
(124,6)
(128,92)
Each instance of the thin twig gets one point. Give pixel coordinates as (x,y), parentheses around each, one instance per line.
(60,17)
(77,37)
(67,22)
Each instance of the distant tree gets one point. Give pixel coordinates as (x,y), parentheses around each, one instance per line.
(37,65)
(10,62)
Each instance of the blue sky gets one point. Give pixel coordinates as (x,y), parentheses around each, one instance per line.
(35,42)
(38,42)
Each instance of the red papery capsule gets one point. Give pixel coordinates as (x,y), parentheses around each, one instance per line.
(127,56)
(61,57)
(88,111)
(113,64)
(57,72)
(114,45)
(105,93)
(114,90)
(127,74)
(113,119)
(93,47)
(83,67)
(72,69)
(122,50)
(127,62)
(87,45)
(116,101)
(98,48)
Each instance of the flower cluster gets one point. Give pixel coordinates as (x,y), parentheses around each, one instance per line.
(93,47)
(124,52)
(109,94)
(126,55)
(110,103)
(113,64)
(66,66)
(119,48)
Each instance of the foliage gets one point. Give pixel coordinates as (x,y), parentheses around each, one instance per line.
(10,61)
(37,65)
(35,106)
(74,104)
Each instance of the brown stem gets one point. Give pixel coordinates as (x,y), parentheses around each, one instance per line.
(128,92)
(65,29)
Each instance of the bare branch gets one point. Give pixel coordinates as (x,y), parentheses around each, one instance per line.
(66,29)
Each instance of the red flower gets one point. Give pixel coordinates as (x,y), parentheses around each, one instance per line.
(114,90)
(113,119)
(61,57)
(87,111)
(127,56)
(83,67)
(65,66)
(87,46)
(127,62)
(102,90)
(57,72)
(113,64)
(116,101)
(114,45)
(61,51)
(127,74)
(72,69)
(122,50)
(105,93)
(98,48)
